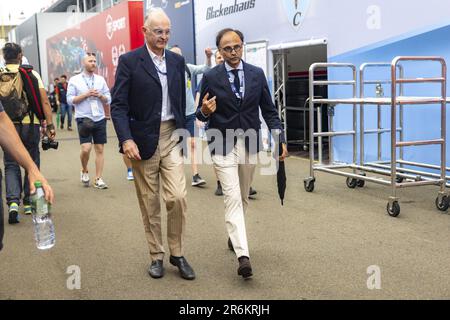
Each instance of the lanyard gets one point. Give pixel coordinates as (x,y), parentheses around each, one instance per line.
(159,70)
(87,84)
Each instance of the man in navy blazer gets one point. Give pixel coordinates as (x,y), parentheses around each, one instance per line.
(231,96)
(148,105)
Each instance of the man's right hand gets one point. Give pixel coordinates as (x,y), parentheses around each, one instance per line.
(131,150)
(208,106)
(33,176)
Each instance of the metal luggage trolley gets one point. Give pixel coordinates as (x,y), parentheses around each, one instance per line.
(393,168)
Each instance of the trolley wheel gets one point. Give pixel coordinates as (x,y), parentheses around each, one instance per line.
(351,183)
(444,204)
(309,185)
(399,179)
(395,210)
(361,183)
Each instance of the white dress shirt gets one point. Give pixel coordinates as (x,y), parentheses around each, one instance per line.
(240,69)
(161,68)
(91,107)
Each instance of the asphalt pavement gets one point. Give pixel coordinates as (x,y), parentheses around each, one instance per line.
(334,243)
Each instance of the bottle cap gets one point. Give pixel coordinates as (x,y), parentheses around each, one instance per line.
(38,184)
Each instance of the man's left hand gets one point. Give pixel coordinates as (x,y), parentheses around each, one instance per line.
(208,52)
(285,154)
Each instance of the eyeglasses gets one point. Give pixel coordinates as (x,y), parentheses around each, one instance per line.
(160,32)
(90,54)
(236,48)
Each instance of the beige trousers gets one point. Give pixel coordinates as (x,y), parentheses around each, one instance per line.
(235,172)
(166,166)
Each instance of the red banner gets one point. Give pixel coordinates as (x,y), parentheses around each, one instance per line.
(108,34)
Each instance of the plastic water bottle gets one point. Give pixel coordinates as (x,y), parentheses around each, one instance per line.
(44,230)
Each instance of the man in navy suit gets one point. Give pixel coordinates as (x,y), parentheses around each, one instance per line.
(232,94)
(148,105)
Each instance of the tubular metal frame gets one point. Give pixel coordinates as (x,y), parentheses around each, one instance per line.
(394,168)
(280,76)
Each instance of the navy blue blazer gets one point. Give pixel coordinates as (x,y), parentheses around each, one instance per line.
(230,114)
(137,98)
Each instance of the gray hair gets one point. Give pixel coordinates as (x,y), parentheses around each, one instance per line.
(152,12)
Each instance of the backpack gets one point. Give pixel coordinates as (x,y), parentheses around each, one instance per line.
(19,94)
(12,95)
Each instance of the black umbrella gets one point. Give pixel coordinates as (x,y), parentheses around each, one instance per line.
(281,175)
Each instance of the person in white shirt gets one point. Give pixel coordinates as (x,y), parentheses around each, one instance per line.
(88,93)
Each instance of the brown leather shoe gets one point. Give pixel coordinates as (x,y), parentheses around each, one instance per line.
(245,268)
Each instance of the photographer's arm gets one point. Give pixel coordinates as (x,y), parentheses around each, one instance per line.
(51,133)
(9,139)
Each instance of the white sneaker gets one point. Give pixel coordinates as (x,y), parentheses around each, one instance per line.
(85,178)
(100,184)
(130,176)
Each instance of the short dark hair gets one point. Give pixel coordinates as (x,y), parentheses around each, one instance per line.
(225,31)
(56,79)
(11,52)
(64,76)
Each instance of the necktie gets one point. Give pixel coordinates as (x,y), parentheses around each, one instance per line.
(237,82)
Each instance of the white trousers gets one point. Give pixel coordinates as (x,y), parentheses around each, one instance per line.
(235,172)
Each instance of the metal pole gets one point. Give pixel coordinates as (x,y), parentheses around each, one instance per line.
(379,132)
(361,117)
(311,120)
(330,139)
(355,115)
(284,113)
(402,134)
(443,124)
(393,131)
(319,130)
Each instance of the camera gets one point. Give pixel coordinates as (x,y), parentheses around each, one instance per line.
(47,144)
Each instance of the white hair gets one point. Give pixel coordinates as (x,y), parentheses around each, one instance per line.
(154,11)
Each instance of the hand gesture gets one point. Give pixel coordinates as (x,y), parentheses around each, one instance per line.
(208,106)
(208,52)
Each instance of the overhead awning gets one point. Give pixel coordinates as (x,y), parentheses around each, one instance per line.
(296,44)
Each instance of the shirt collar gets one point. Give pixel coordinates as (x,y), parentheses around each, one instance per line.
(154,56)
(85,75)
(229,68)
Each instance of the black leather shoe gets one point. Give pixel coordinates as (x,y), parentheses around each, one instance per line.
(252,192)
(186,272)
(245,268)
(156,269)
(230,245)
(219,191)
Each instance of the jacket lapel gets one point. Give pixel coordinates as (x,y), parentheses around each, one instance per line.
(148,64)
(249,76)
(170,67)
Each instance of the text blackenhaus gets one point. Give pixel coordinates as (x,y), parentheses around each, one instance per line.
(221,11)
